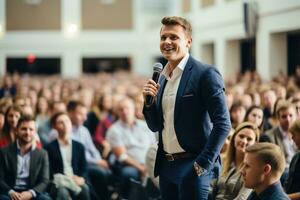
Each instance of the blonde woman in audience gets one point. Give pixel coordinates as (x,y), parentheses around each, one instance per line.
(230,185)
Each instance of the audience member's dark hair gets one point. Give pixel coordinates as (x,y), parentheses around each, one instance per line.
(25,118)
(6,127)
(73,104)
(55,116)
(250,110)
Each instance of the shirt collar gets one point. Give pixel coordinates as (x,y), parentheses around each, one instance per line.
(166,71)
(61,143)
(283,133)
(33,146)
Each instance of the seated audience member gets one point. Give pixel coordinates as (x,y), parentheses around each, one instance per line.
(24,169)
(237,114)
(68,165)
(263,166)
(280,135)
(106,119)
(268,101)
(7,88)
(2,120)
(48,134)
(42,119)
(230,185)
(130,140)
(98,168)
(292,185)
(8,134)
(255,115)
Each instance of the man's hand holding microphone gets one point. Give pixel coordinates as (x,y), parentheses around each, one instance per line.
(152,86)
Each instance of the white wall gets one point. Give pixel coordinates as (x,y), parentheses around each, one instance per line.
(220,25)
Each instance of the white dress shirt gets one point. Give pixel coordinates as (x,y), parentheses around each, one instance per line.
(170,141)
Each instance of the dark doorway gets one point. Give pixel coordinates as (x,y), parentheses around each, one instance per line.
(248,57)
(33,65)
(94,65)
(293,52)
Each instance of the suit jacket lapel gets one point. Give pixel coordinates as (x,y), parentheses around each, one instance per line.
(14,159)
(182,85)
(33,163)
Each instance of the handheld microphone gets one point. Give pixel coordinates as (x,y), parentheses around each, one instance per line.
(157,68)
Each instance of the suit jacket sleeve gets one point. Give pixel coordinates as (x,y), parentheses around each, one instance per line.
(4,187)
(212,89)
(43,179)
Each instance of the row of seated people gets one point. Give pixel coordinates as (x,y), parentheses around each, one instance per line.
(25,170)
(256,114)
(129,138)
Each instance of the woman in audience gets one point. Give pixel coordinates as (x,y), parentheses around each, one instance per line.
(237,114)
(105,121)
(255,115)
(230,184)
(12,117)
(292,185)
(42,119)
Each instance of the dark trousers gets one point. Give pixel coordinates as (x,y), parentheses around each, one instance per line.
(100,179)
(178,181)
(38,197)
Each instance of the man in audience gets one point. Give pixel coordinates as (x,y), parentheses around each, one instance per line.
(68,165)
(98,168)
(24,169)
(130,140)
(292,184)
(280,135)
(263,166)
(268,99)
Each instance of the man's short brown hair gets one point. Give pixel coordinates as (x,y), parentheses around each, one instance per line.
(174,20)
(283,106)
(271,154)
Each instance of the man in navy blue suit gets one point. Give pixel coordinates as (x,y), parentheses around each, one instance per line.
(190,114)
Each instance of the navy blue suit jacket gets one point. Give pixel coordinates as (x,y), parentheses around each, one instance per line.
(274,191)
(79,163)
(201,117)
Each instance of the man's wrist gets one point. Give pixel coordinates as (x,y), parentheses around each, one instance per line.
(198,169)
(33,193)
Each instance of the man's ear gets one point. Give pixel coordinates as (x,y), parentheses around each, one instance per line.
(267,169)
(190,40)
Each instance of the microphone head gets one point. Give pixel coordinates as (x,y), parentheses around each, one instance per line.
(157,67)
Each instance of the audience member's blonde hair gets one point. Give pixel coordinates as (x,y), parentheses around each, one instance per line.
(295,127)
(230,154)
(270,154)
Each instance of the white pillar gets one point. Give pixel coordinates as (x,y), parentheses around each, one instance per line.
(263,55)
(71,64)
(278,55)
(232,58)
(220,50)
(71,25)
